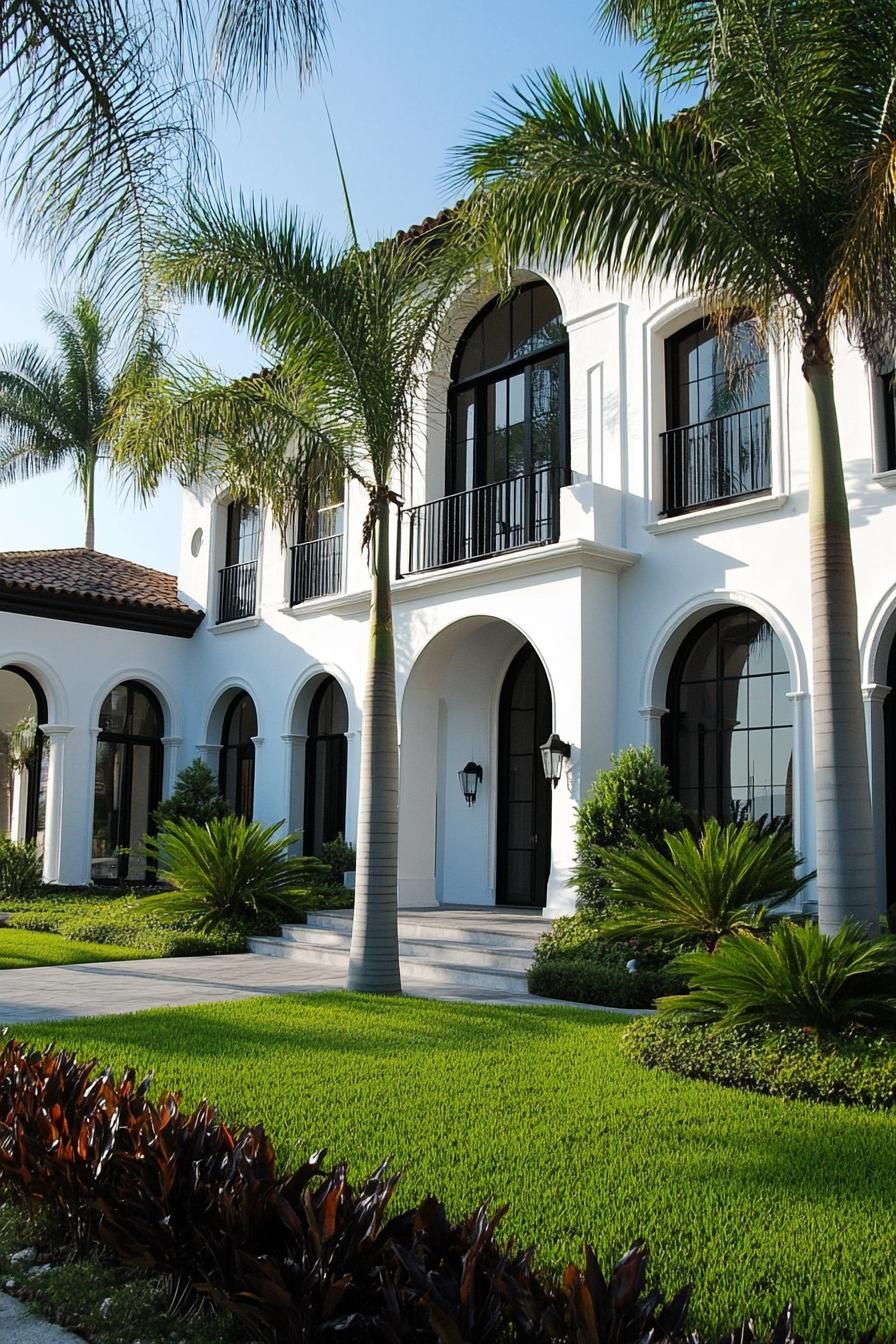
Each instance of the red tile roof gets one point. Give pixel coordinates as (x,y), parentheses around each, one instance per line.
(92,579)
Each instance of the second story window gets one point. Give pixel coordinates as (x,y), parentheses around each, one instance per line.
(717,444)
(237,581)
(316,556)
(508,447)
(886,454)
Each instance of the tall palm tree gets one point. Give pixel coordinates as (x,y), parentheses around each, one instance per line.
(773,192)
(105,109)
(54,414)
(348,331)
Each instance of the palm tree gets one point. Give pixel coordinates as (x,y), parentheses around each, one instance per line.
(349,332)
(53,414)
(774,193)
(104,116)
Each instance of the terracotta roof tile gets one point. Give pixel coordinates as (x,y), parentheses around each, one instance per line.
(93,578)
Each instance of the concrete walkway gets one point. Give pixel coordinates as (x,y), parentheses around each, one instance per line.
(37,993)
(18,1326)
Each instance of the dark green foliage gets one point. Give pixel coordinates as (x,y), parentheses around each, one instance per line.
(231,869)
(301,1256)
(853,1069)
(339,857)
(797,977)
(574,962)
(702,889)
(631,800)
(195,797)
(123,919)
(21,870)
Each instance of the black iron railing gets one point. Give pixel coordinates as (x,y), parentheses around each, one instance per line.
(315,569)
(476,524)
(236,591)
(716,460)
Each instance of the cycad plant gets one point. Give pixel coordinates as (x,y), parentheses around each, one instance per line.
(701,889)
(349,331)
(55,413)
(773,193)
(228,869)
(797,977)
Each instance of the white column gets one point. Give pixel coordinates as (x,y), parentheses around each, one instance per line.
(352,785)
(55,735)
(294,780)
(210,752)
(170,746)
(803,835)
(653,717)
(874,696)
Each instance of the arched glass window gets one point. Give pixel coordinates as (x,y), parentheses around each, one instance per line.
(237,763)
(729,730)
(524,795)
(23,760)
(127,782)
(325,767)
(508,399)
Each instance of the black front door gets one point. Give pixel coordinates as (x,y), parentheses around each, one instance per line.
(524,795)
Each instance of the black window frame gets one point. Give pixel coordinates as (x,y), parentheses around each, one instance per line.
(479,383)
(129,740)
(242,751)
(35,767)
(334,745)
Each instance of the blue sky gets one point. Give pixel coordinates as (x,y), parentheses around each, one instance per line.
(406,81)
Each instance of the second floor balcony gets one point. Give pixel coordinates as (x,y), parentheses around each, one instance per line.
(716,461)
(237,591)
(315,569)
(476,524)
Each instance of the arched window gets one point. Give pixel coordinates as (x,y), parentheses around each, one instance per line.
(325,767)
(23,760)
(729,730)
(237,763)
(127,782)
(717,444)
(237,580)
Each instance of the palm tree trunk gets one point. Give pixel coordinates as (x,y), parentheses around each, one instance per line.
(373,963)
(847,885)
(89,497)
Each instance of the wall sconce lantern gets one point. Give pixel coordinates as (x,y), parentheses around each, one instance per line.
(553,753)
(470,779)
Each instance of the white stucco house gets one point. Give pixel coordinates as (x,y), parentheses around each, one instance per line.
(600,538)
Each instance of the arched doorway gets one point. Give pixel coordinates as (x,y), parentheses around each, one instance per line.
(127,782)
(326,761)
(523,852)
(890,776)
(236,776)
(23,759)
(728,735)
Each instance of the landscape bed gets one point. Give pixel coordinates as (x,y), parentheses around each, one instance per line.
(753,1199)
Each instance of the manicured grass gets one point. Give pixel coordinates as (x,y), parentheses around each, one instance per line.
(22,947)
(754,1200)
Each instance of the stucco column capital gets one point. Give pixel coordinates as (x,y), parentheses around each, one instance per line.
(171,741)
(875,693)
(648,712)
(56,729)
(256,742)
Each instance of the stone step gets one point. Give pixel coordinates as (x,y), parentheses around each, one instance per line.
(329,958)
(517,934)
(428,949)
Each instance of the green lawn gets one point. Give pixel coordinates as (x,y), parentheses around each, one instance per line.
(21,947)
(753,1199)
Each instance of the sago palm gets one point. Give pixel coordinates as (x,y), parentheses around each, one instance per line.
(349,331)
(774,193)
(54,413)
(699,890)
(798,977)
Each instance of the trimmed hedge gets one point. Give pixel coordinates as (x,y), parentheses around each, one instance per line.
(854,1069)
(118,919)
(574,962)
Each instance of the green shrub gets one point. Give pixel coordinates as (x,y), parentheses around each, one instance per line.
(21,870)
(702,889)
(796,977)
(195,797)
(632,799)
(601,982)
(339,857)
(231,869)
(857,1069)
(125,922)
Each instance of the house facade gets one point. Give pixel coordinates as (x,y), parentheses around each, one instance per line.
(604,536)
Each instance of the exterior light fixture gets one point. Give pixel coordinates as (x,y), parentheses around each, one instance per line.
(553,753)
(470,779)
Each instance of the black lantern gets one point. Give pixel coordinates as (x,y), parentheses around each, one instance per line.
(470,779)
(553,753)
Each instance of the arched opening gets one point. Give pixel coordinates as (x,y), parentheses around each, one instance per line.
(23,758)
(890,777)
(236,768)
(127,782)
(728,735)
(523,848)
(326,761)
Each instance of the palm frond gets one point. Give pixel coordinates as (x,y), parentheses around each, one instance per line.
(256,41)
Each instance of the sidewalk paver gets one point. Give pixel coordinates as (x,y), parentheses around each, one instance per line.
(19,1326)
